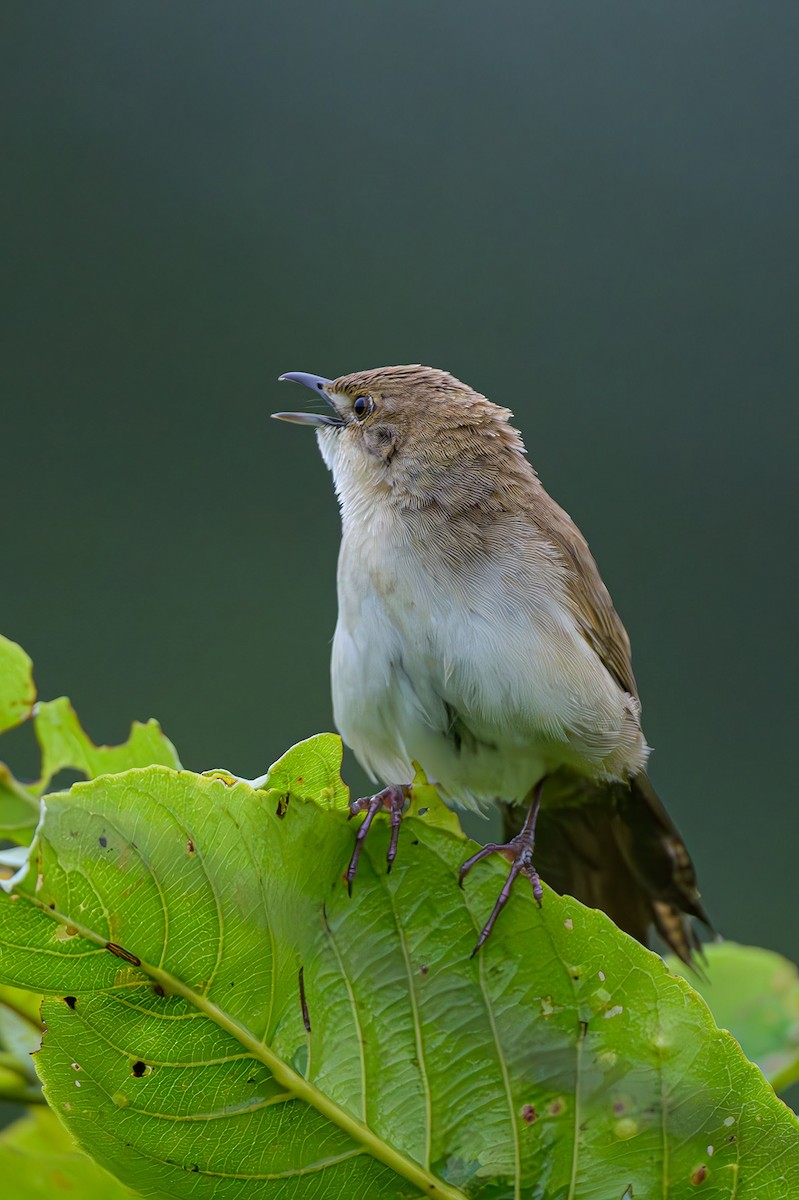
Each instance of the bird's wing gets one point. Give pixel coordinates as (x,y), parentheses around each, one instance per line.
(598,620)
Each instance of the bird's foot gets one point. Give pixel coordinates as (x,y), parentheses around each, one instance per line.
(519,851)
(392,799)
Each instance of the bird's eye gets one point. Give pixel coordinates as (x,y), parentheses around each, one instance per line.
(363,406)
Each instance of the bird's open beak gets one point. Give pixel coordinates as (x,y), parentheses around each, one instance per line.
(317,384)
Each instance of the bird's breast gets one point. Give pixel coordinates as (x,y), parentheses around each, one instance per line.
(472,668)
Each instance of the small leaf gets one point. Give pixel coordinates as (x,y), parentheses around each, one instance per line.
(755,994)
(428,806)
(39,1160)
(19,809)
(312,770)
(65,744)
(17,689)
(20,1029)
(20,1037)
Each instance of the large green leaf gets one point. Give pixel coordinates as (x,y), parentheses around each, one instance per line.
(173,913)
(17,689)
(755,994)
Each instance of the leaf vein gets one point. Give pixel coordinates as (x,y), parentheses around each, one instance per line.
(355,1017)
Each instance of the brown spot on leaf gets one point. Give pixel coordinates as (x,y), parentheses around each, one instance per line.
(282,806)
(424,969)
(122,953)
(138,1069)
(103,841)
(189,846)
(699,1175)
(529,1115)
(306,1020)
(159,991)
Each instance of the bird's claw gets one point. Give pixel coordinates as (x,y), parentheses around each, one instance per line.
(519,850)
(392,799)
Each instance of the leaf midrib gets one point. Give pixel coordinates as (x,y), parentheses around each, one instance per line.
(300,1088)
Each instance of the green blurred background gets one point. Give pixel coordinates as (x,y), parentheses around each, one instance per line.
(587,211)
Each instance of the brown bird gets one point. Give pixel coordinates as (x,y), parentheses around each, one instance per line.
(475,637)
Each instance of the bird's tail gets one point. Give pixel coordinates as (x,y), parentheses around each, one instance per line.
(614,847)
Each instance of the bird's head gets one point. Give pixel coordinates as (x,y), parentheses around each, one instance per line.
(411,433)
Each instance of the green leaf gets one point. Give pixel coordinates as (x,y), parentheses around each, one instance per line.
(172,914)
(755,994)
(20,1037)
(17,689)
(39,1160)
(312,770)
(19,808)
(426,803)
(65,744)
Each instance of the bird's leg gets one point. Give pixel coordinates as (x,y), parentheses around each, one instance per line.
(392,799)
(520,852)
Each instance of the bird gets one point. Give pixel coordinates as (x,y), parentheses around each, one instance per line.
(476,639)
